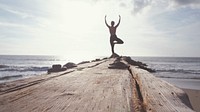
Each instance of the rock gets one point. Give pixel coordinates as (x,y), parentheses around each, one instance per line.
(83,62)
(117,64)
(132,62)
(96,60)
(105,58)
(114,55)
(56,68)
(70,65)
(139,64)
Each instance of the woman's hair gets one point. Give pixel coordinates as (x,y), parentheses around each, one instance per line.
(112,23)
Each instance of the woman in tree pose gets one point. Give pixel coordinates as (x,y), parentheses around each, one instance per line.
(113,37)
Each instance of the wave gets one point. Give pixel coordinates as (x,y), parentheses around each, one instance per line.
(174,77)
(23,69)
(4,66)
(180,71)
(10,77)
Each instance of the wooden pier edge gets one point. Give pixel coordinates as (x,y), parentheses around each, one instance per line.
(158,95)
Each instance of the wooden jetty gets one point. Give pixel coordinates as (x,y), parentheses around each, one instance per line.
(93,87)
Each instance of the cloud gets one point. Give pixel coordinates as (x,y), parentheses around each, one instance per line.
(135,5)
(186,2)
(73,26)
(139,5)
(4,24)
(16,12)
(122,4)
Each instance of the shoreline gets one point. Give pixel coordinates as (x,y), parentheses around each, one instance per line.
(190,87)
(194,97)
(184,83)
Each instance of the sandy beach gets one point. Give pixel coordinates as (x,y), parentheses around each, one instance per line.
(194,96)
(191,87)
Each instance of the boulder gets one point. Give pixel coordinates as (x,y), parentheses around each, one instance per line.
(70,65)
(56,68)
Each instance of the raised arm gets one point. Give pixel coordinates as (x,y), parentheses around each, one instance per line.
(106,22)
(119,21)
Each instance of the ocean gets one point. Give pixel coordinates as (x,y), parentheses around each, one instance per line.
(14,67)
(173,67)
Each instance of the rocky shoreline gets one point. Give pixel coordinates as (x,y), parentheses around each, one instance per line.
(69,65)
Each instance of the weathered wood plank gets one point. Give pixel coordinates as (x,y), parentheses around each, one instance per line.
(92,89)
(158,95)
(23,83)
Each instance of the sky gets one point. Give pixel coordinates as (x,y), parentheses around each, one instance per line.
(77,28)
